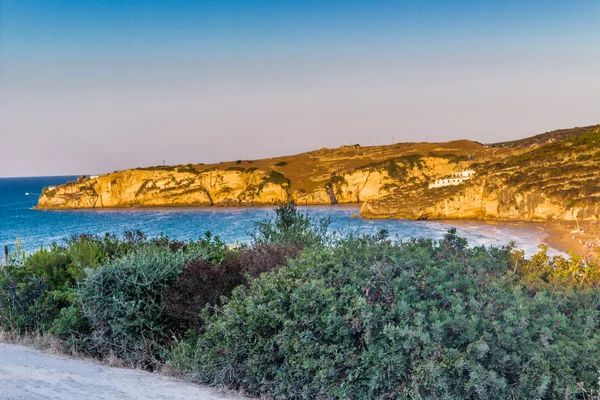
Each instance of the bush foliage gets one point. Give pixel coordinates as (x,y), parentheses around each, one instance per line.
(40,291)
(298,313)
(203,283)
(367,318)
(34,289)
(123,302)
(290,226)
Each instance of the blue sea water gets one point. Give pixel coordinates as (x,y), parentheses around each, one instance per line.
(37,228)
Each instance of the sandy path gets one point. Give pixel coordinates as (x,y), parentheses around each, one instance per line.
(30,375)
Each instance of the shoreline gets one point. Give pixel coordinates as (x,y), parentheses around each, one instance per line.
(563,235)
(557,235)
(192,207)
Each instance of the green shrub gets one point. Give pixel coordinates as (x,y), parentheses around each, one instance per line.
(277,178)
(542,272)
(239,169)
(50,193)
(20,298)
(123,301)
(72,327)
(366,318)
(590,139)
(189,168)
(584,157)
(39,292)
(54,265)
(34,289)
(395,171)
(335,180)
(290,226)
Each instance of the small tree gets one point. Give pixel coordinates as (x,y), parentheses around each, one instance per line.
(290,226)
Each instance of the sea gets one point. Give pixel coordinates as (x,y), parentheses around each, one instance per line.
(19,221)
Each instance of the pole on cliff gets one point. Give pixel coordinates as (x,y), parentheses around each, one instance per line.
(6,253)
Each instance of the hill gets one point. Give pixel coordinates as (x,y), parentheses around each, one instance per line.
(548,137)
(391,181)
(558,180)
(348,174)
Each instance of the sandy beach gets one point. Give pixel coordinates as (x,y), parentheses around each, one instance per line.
(565,236)
(561,236)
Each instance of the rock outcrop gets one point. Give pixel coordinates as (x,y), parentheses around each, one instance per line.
(160,188)
(346,175)
(477,201)
(557,179)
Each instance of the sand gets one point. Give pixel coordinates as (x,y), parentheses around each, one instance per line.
(559,236)
(28,374)
(565,237)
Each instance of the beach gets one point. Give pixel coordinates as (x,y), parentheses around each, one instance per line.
(565,236)
(560,236)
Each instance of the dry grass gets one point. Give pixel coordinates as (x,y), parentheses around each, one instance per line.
(50,344)
(311,170)
(47,343)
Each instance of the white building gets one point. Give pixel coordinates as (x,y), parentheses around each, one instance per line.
(456,179)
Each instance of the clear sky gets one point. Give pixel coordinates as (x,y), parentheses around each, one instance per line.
(95,86)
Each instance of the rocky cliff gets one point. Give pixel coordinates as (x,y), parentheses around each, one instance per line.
(161,187)
(557,178)
(350,174)
(478,201)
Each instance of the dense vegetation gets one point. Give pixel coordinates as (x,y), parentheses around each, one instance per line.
(557,135)
(567,170)
(298,313)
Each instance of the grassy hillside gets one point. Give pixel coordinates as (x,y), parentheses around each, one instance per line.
(557,135)
(567,170)
(556,180)
(313,170)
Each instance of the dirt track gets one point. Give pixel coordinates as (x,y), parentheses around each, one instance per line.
(30,375)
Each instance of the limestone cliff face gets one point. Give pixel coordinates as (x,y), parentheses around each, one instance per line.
(375,181)
(557,179)
(478,200)
(185,186)
(146,188)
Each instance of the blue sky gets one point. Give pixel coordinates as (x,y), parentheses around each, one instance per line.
(210,28)
(130,83)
